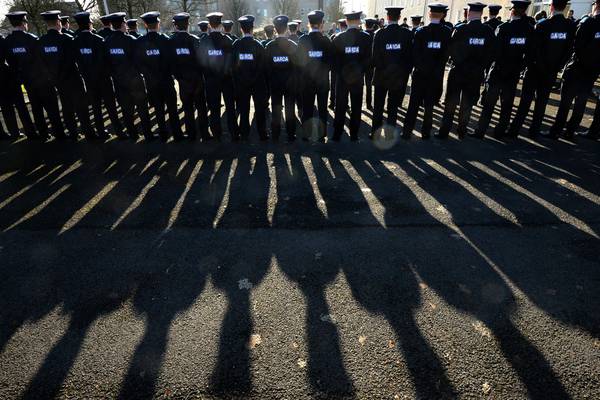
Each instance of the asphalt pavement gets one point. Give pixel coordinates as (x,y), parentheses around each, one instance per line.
(422,269)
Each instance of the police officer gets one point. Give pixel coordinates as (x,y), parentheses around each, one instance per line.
(471,52)
(281,68)
(370,25)
(26,65)
(216,58)
(129,84)
(514,44)
(269,33)
(153,58)
(106,29)
(415,20)
(553,39)
(392,58)
(90,55)
(315,58)
(352,58)
(132,28)
(249,69)
(579,75)
(430,53)
(12,97)
(58,55)
(227,27)
(294,37)
(445,22)
(299,30)
(494,20)
(293,28)
(203,25)
(342,26)
(185,55)
(65,25)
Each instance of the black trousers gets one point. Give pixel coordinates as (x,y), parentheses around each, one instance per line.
(132,98)
(309,92)
(505,89)
(463,90)
(538,86)
(191,93)
(595,126)
(341,106)
(333,86)
(424,92)
(369,87)
(258,93)
(162,95)
(12,98)
(215,87)
(394,101)
(576,88)
(74,101)
(101,91)
(283,93)
(44,97)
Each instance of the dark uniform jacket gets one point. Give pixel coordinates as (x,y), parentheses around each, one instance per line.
(430,51)
(152,57)
(185,55)
(249,62)
(90,54)
(105,32)
(392,56)
(216,55)
(315,58)
(281,61)
(493,23)
(23,57)
(586,57)
(58,55)
(514,46)
(472,49)
(120,51)
(352,55)
(553,40)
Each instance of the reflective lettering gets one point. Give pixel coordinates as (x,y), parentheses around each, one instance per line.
(315,54)
(476,41)
(183,51)
(246,56)
(558,36)
(352,50)
(215,53)
(281,59)
(117,52)
(434,45)
(393,46)
(153,52)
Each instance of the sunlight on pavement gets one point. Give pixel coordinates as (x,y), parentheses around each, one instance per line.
(377,209)
(177,209)
(225,199)
(558,212)
(497,208)
(36,210)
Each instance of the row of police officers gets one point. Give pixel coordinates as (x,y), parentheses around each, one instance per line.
(116,67)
